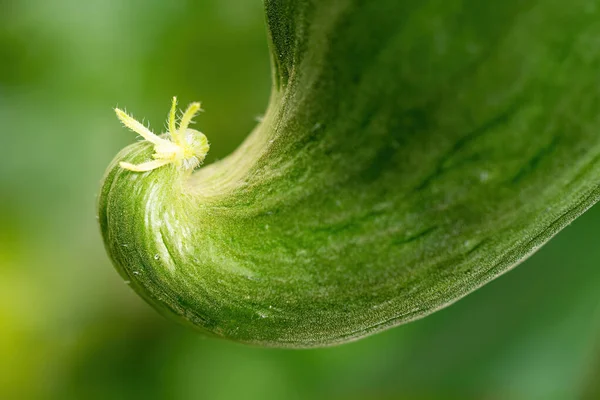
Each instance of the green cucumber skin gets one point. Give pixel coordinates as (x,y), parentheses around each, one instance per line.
(401,165)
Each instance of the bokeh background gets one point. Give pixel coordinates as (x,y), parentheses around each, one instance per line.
(70,328)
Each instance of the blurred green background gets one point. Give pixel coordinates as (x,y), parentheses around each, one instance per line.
(70,328)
